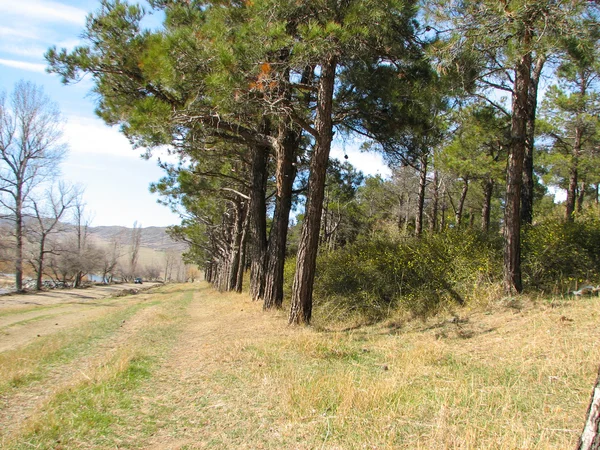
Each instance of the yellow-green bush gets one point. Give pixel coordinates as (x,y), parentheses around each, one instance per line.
(558,256)
(372,277)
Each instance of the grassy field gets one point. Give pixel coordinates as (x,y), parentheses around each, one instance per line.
(185,367)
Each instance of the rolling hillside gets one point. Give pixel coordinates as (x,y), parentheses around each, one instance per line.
(155,238)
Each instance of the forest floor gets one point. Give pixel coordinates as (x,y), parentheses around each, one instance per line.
(184,367)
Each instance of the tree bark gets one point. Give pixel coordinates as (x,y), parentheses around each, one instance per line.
(514,179)
(285,174)
(461,202)
(580,197)
(528,181)
(443,210)
(301,307)
(40,264)
(421,197)
(236,243)
(19,242)
(258,221)
(590,437)
(435,202)
(573,177)
(243,245)
(488,190)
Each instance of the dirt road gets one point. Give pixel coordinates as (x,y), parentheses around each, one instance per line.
(26,317)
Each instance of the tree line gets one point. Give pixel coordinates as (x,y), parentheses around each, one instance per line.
(44,222)
(252,95)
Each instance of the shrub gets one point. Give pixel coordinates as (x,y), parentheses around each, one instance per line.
(419,275)
(558,256)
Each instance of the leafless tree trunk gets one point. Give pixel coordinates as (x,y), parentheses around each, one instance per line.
(82,224)
(134,252)
(48,222)
(30,151)
(111,260)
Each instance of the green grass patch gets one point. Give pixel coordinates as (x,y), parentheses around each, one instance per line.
(94,410)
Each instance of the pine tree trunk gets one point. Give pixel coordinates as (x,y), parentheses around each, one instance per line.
(285,174)
(407,213)
(461,202)
(443,211)
(301,307)
(488,190)
(435,202)
(258,221)
(514,178)
(573,177)
(580,197)
(243,245)
(235,253)
(528,181)
(590,437)
(421,196)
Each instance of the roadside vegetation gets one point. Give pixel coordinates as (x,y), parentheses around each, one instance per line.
(191,368)
(453,303)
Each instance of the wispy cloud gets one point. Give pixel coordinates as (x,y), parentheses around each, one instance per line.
(29,51)
(31,67)
(17,33)
(43,11)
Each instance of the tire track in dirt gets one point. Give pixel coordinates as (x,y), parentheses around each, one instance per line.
(218,330)
(54,311)
(18,407)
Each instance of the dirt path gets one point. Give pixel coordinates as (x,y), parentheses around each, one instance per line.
(24,318)
(196,398)
(18,406)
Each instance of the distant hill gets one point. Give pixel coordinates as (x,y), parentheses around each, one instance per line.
(155,238)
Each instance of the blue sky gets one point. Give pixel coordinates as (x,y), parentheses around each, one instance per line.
(115,177)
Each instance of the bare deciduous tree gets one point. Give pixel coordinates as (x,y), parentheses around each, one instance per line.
(136,237)
(82,223)
(31,148)
(47,216)
(111,259)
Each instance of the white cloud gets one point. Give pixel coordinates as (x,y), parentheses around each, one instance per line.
(22,50)
(18,33)
(89,135)
(69,44)
(43,11)
(369,163)
(31,67)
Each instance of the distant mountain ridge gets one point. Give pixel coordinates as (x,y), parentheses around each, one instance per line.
(155,238)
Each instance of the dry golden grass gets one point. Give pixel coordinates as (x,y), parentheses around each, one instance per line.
(221,373)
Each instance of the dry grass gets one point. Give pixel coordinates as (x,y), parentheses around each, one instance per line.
(513,375)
